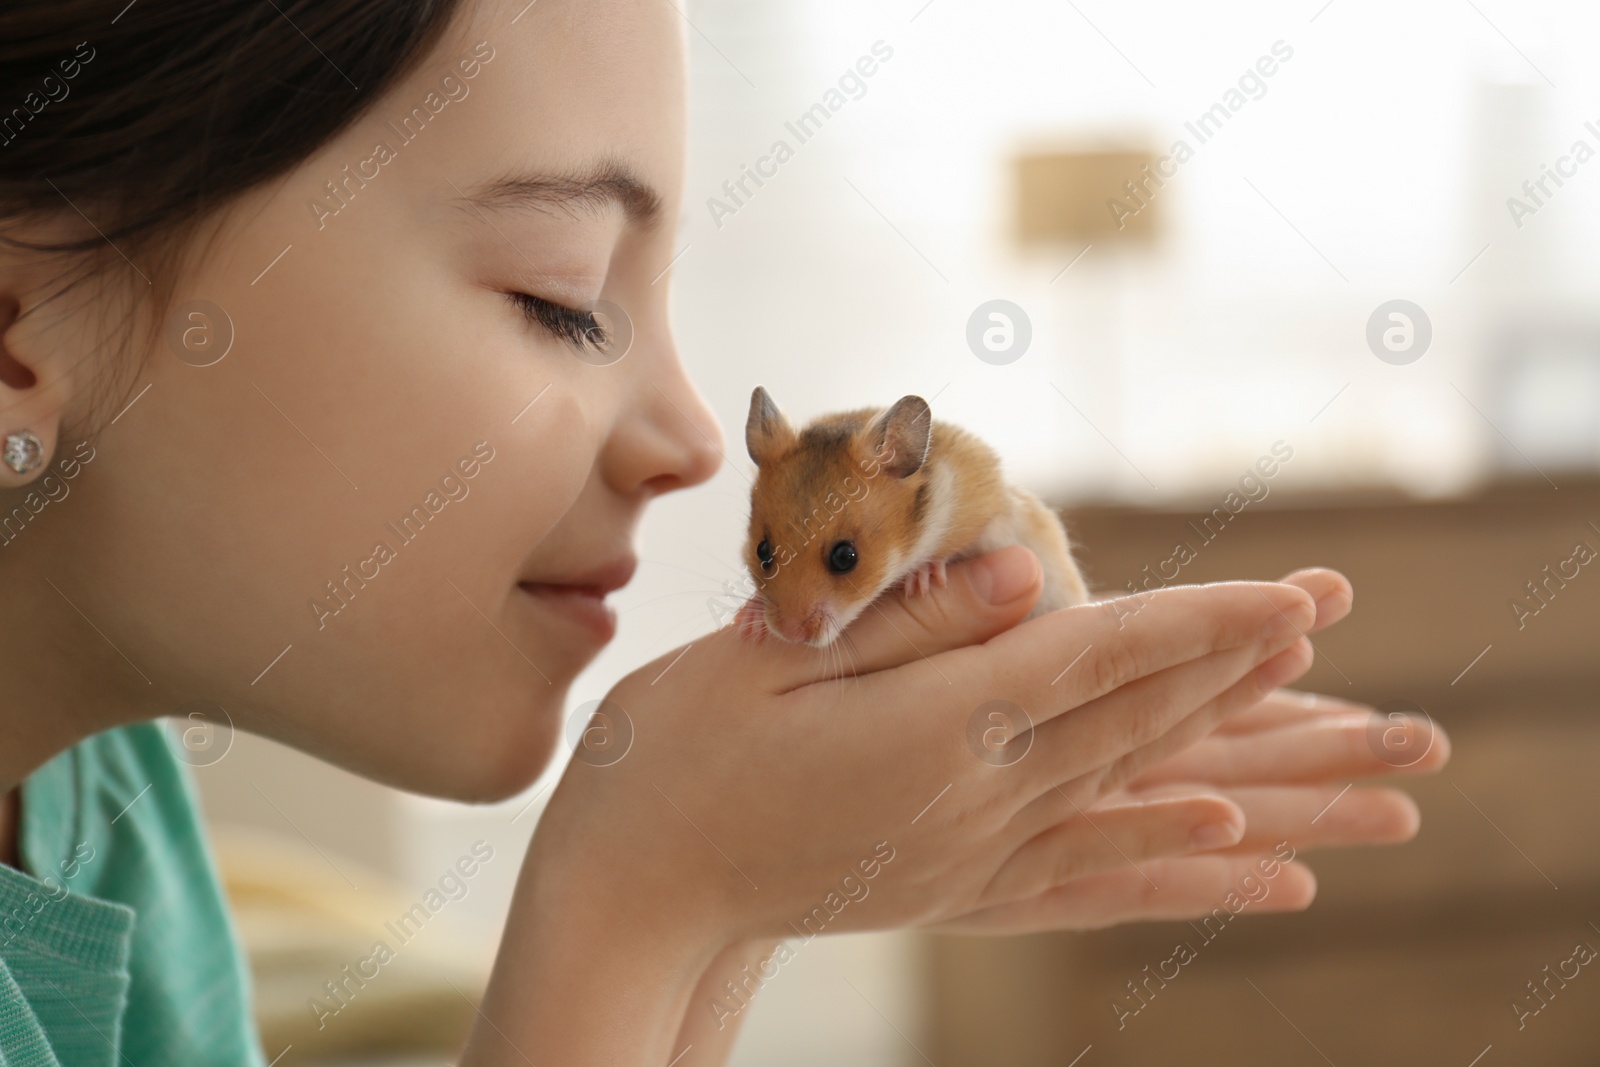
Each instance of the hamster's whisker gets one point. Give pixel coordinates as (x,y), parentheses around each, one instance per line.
(841,658)
(737,569)
(825,654)
(665,596)
(699,613)
(836,647)
(849,649)
(688,570)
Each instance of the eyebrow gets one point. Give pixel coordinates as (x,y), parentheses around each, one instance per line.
(600,187)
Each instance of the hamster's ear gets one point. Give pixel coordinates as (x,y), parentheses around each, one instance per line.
(902,434)
(767,433)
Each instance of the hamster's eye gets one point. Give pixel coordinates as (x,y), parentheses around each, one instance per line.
(764,554)
(842,557)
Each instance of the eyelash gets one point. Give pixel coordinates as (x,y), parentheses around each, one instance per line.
(580,329)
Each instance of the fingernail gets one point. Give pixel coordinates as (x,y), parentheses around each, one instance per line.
(1214,835)
(1001,577)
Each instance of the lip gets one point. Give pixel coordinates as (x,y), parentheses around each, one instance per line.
(581,598)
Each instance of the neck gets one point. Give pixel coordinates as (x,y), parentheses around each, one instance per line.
(63,679)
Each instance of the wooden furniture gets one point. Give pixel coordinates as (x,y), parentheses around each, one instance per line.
(1411,954)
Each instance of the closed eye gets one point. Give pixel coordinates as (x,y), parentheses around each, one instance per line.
(580,329)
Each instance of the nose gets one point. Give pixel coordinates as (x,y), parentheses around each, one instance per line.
(669,440)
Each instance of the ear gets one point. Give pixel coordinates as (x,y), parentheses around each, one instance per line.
(902,434)
(32,397)
(766,433)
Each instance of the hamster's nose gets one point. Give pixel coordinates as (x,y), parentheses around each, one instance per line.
(799,631)
(802,626)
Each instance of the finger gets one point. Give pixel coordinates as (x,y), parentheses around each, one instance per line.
(1324,817)
(1068,658)
(1110,740)
(1189,887)
(1315,749)
(979,598)
(1283,707)
(1284,667)
(1331,590)
(1173,626)
(1114,836)
(1305,817)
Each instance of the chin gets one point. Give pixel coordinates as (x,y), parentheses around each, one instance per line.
(500,772)
(493,758)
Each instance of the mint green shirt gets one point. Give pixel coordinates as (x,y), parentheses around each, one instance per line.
(116,948)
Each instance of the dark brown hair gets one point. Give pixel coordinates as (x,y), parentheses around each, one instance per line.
(185,103)
(146,116)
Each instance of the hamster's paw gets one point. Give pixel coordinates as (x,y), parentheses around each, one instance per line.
(916,581)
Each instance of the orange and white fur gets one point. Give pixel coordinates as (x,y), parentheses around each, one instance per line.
(905,494)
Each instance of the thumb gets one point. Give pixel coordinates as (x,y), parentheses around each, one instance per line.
(981,597)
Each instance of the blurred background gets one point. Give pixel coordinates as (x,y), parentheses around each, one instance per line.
(1353,247)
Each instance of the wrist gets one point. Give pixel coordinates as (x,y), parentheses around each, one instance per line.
(638,904)
(595,966)
(729,986)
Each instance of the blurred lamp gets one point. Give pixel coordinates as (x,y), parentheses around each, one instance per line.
(1088,197)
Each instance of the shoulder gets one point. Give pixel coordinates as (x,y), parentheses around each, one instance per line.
(124,798)
(140,840)
(119,816)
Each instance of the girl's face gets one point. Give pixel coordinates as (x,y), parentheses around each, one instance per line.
(331,532)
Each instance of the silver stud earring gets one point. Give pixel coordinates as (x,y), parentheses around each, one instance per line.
(24,451)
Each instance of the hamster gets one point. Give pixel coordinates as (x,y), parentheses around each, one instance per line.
(858,502)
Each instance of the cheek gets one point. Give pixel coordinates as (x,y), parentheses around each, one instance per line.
(314,579)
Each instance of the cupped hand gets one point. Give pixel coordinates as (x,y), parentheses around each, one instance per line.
(765,781)
(1289,766)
